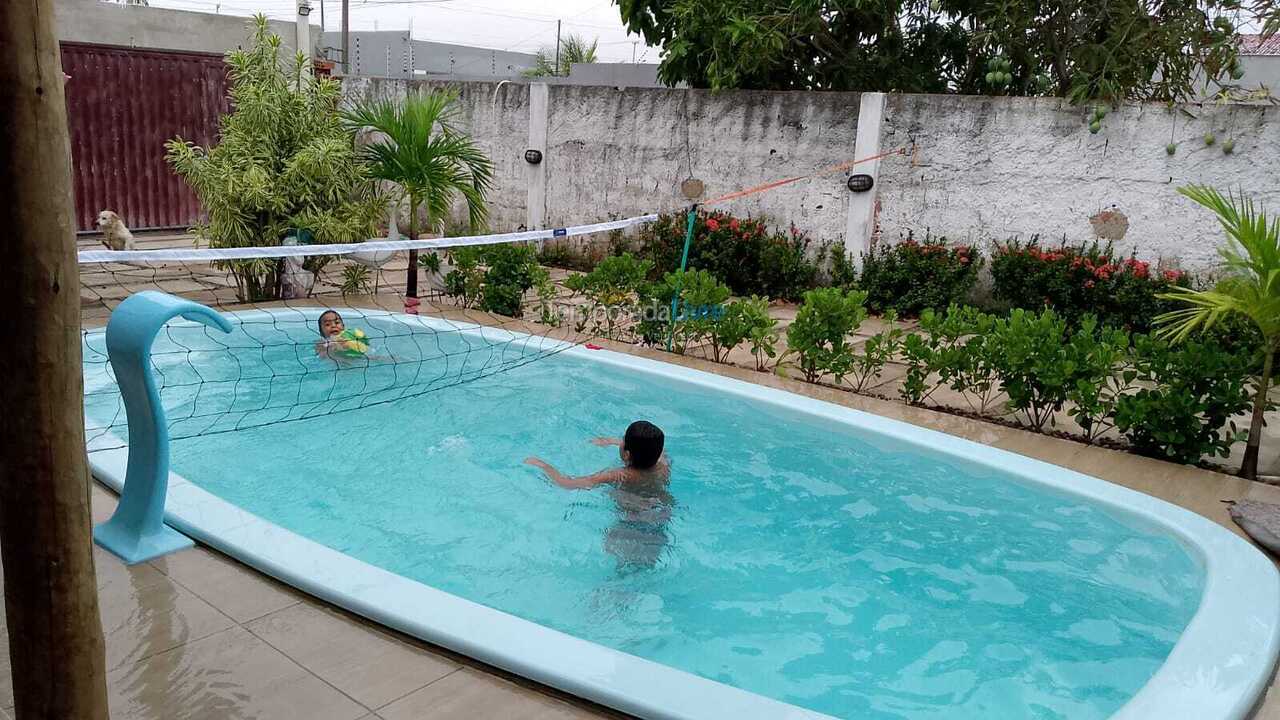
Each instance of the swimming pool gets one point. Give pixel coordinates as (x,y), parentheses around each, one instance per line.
(817,561)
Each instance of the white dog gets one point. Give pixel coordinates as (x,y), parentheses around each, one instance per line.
(114,233)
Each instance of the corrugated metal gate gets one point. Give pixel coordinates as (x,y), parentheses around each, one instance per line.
(122,105)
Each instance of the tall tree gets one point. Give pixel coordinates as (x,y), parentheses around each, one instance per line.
(1082,49)
(419,147)
(50,593)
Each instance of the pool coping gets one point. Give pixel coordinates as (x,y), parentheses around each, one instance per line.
(1217,669)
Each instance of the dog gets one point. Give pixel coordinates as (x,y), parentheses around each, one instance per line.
(114,233)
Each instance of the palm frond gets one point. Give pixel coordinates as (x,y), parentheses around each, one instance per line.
(1250,284)
(419,146)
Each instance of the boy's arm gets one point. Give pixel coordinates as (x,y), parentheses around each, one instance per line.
(573,483)
(607,442)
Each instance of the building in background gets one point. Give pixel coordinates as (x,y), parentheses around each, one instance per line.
(141,26)
(615,75)
(1260,62)
(394,54)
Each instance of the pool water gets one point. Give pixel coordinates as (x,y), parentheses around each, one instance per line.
(823,566)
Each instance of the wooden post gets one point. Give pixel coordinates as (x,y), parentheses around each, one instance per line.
(50,592)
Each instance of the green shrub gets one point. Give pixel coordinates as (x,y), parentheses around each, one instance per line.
(1032,364)
(742,321)
(841,272)
(1190,393)
(465,281)
(355,280)
(741,252)
(701,306)
(546,292)
(493,277)
(1075,281)
(876,352)
(763,335)
(786,270)
(512,270)
(911,277)
(283,160)
(1097,359)
(611,287)
(819,336)
(953,349)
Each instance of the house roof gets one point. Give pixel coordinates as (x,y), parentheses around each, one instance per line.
(1254,45)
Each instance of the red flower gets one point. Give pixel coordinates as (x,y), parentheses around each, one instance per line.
(1088,283)
(733,224)
(1173,275)
(712,224)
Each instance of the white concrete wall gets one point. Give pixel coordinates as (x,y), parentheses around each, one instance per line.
(614,152)
(984,169)
(993,168)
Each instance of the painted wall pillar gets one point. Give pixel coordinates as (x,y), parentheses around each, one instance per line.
(860,223)
(536,174)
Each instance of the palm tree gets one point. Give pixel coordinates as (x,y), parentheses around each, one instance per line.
(1249,287)
(420,148)
(574,49)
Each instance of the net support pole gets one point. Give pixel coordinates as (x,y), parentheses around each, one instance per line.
(55,647)
(684,260)
(136,531)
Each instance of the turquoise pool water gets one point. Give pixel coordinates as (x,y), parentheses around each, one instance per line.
(830,568)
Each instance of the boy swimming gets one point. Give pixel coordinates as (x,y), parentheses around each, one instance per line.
(639,490)
(339,343)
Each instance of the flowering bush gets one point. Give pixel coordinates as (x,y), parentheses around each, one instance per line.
(1121,292)
(912,276)
(742,252)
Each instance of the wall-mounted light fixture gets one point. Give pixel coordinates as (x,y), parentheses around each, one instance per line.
(861,183)
(533,157)
(304,8)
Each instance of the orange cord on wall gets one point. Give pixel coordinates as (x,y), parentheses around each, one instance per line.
(787,181)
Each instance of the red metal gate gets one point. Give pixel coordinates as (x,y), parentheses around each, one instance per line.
(122,105)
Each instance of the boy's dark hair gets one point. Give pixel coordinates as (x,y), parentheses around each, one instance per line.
(644,442)
(323,315)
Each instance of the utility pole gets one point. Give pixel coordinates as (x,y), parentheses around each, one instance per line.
(322,28)
(557,72)
(346,37)
(56,651)
(633,43)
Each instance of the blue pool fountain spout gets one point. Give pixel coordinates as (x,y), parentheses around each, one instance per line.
(136,531)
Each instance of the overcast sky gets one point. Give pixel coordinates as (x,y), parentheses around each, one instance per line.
(503,24)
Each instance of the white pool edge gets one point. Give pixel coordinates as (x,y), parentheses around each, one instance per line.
(1216,671)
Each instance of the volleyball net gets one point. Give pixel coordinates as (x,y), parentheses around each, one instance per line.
(320,329)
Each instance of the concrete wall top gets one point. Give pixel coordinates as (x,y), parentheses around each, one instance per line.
(981,169)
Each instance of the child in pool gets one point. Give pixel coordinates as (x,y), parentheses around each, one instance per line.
(639,490)
(339,343)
